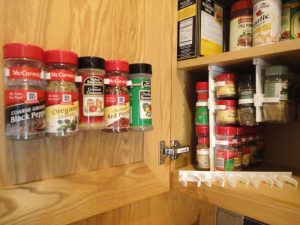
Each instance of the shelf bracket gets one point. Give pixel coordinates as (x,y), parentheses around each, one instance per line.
(174,151)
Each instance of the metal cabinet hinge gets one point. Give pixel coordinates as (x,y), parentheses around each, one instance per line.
(173,151)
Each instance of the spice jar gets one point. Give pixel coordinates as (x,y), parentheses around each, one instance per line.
(226,148)
(201,115)
(225,112)
(259,144)
(241,14)
(225,86)
(91,92)
(266,21)
(276,85)
(246,109)
(62,111)
(116,99)
(24,91)
(140,96)
(202,149)
(202,155)
(290,26)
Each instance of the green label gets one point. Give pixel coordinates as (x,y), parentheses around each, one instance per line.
(201,115)
(229,165)
(140,102)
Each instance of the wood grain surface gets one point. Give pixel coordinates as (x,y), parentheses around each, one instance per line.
(72,198)
(172,208)
(134,30)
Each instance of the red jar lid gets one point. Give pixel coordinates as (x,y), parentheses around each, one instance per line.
(203,96)
(241,131)
(116,65)
(242,4)
(223,130)
(61,56)
(19,50)
(226,76)
(203,140)
(201,86)
(226,102)
(202,129)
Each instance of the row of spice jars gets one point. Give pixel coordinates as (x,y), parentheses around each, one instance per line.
(202,128)
(261,22)
(237,147)
(31,109)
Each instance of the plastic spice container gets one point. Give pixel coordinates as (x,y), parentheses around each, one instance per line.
(140,96)
(276,85)
(91,92)
(226,148)
(241,16)
(116,99)
(266,22)
(62,111)
(225,112)
(246,109)
(225,86)
(201,115)
(24,91)
(202,155)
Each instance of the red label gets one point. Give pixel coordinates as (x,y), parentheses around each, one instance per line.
(117,81)
(110,100)
(57,98)
(13,97)
(24,72)
(62,75)
(226,154)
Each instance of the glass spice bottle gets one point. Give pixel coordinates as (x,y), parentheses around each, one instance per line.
(24,91)
(116,100)
(91,92)
(62,111)
(202,149)
(225,85)
(225,112)
(276,85)
(246,109)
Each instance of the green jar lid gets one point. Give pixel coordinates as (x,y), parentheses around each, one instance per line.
(276,70)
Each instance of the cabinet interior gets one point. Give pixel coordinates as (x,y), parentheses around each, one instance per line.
(282,141)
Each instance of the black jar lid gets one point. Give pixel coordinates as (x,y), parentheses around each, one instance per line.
(140,68)
(91,62)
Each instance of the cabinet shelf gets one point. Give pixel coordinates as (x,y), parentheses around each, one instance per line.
(287,50)
(270,205)
(72,198)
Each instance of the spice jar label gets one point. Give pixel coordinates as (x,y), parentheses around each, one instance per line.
(23,72)
(62,112)
(203,158)
(61,75)
(225,90)
(202,115)
(24,111)
(224,159)
(277,89)
(92,90)
(266,22)
(116,102)
(246,156)
(226,116)
(241,32)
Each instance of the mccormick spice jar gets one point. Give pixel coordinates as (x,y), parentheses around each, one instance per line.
(226,148)
(290,23)
(225,86)
(24,91)
(244,147)
(225,112)
(276,85)
(202,155)
(266,22)
(241,16)
(116,99)
(201,115)
(140,96)
(91,92)
(62,110)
